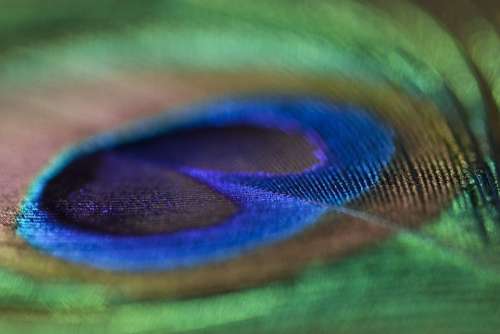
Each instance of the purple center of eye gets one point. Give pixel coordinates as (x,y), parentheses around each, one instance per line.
(135,189)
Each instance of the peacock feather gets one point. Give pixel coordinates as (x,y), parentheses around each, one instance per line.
(249,166)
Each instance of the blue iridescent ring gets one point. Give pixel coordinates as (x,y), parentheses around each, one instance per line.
(350,147)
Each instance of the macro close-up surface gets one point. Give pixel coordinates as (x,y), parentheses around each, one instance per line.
(249,166)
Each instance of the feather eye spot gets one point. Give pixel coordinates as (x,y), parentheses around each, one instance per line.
(240,174)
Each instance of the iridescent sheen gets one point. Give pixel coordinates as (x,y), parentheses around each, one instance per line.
(350,145)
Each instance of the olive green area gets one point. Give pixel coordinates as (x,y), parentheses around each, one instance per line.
(32,22)
(409,284)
